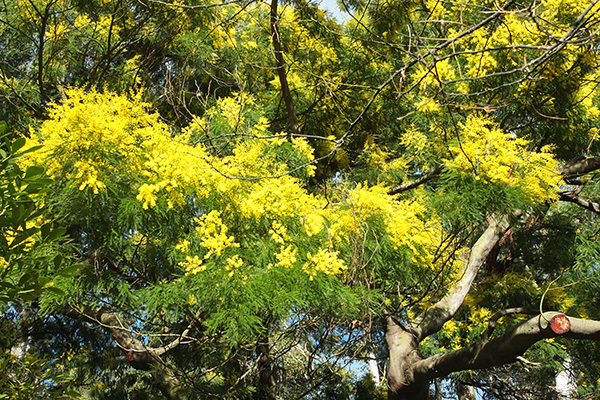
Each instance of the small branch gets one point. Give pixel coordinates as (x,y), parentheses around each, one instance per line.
(411,185)
(492,322)
(527,362)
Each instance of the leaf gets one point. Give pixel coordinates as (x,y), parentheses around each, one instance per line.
(21,237)
(46,229)
(57,261)
(33,171)
(18,144)
(55,290)
(28,150)
(56,233)
(71,270)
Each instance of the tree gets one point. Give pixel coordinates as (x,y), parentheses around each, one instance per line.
(280,194)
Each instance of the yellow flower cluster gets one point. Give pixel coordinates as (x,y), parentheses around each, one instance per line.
(214,234)
(147,195)
(192,265)
(286,256)
(278,233)
(378,158)
(492,155)
(233,263)
(324,261)
(90,133)
(87,174)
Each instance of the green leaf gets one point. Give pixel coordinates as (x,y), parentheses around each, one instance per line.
(28,150)
(71,270)
(45,230)
(33,171)
(57,261)
(18,144)
(55,290)
(56,233)
(21,237)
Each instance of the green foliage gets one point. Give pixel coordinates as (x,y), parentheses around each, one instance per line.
(28,252)
(190,213)
(30,377)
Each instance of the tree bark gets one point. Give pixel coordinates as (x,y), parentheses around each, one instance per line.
(465,392)
(265,370)
(504,349)
(403,341)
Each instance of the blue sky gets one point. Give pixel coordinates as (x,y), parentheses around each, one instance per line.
(331,6)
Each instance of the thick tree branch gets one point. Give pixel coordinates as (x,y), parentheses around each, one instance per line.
(573,198)
(580,165)
(503,349)
(435,317)
(492,322)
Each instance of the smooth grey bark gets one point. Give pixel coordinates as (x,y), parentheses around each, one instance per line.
(565,382)
(504,349)
(403,341)
(436,316)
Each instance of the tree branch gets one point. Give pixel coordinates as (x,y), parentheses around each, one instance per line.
(281,72)
(435,317)
(573,198)
(504,349)
(411,185)
(581,165)
(492,322)
(139,355)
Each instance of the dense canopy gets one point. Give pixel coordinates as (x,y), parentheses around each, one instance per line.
(259,200)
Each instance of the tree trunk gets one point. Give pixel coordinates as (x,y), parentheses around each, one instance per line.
(403,341)
(374,368)
(265,371)
(403,353)
(565,381)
